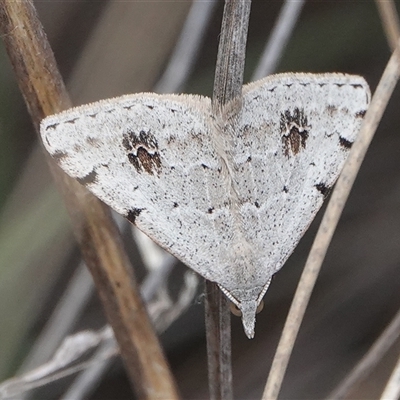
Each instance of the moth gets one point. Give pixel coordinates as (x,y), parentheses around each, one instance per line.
(230,195)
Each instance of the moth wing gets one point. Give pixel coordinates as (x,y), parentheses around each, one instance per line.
(294,134)
(150,158)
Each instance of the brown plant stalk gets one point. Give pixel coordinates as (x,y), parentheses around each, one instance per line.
(44,93)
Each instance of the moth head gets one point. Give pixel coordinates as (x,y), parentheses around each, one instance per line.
(235,310)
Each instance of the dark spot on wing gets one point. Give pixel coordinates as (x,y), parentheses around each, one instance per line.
(285,189)
(142,151)
(360,114)
(272,89)
(171,139)
(257,204)
(92,141)
(323,189)
(175,205)
(52,126)
(357,85)
(248,159)
(88,179)
(331,110)
(294,129)
(210,210)
(150,162)
(71,121)
(133,214)
(59,155)
(205,166)
(151,107)
(345,143)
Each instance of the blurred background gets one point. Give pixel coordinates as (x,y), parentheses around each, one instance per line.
(107,49)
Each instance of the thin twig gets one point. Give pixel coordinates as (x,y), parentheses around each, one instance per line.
(327,227)
(370,360)
(278,39)
(392,388)
(226,101)
(218,343)
(65,361)
(390,21)
(67,311)
(187,48)
(89,378)
(45,94)
(231,53)
(70,355)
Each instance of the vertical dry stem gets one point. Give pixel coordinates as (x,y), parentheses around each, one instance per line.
(231,52)
(218,343)
(227,90)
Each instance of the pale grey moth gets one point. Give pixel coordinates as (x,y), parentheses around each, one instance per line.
(230,196)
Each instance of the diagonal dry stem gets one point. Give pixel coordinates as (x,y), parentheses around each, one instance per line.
(279,37)
(390,21)
(45,94)
(392,388)
(187,48)
(369,361)
(328,225)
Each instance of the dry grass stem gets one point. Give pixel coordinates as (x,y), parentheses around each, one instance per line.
(280,35)
(218,343)
(231,53)
(85,382)
(67,311)
(390,21)
(187,48)
(44,94)
(392,389)
(227,89)
(328,225)
(369,361)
